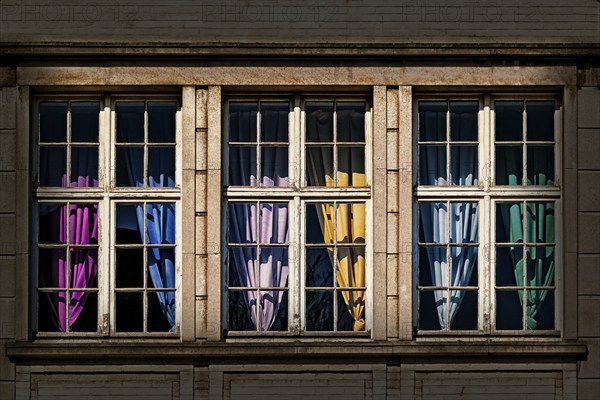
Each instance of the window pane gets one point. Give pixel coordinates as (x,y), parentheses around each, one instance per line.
(463,120)
(319,271)
(464,165)
(161,166)
(242,166)
(274,122)
(509,266)
(429,302)
(130,122)
(432,165)
(434,222)
(509,310)
(509,223)
(279,317)
(129,223)
(464,222)
(540,222)
(84,166)
(240,316)
(242,223)
(351,166)
(463,266)
(319,311)
(351,310)
(129,268)
(84,314)
(52,223)
(540,120)
(540,165)
(540,266)
(242,121)
(350,268)
(509,120)
(85,118)
(432,121)
(319,166)
(350,221)
(540,309)
(51,305)
(53,168)
(319,217)
(129,312)
(509,165)
(274,166)
(53,122)
(273,267)
(433,266)
(160,223)
(130,166)
(161,121)
(161,268)
(319,122)
(350,122)
(241,267)
(465,317)
(52,268)
(161,311)
(84,268)
(273,222)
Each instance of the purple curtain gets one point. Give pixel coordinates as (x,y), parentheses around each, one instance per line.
(83,227)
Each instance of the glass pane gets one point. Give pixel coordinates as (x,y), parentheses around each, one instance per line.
(509,310)
(161,311)
(50,305)
(319,271)
(350,268)
(130,166)
(53,166)
(84,268)
(161,122)
(52,225)
(540,120)
(463,120)
(540,309)
(241,267)
(130,223)
(350,122)
(85,118)
(509,165)
(129,312)
(130,122)
(465,316)
(319,166)
(242,223)
(350,223)
(83,223)
(84,312)
(161,268)
(432,121)
(540,165)
(319,311)
(540,266)
(464,222)
(242,121)
(464,165)
(274,122)
(53,122)
(432,165)
(274,166)
(52,271)
(434,222)
(509,266)
(161,166)
(428,309)
(463,266)
(433,267)
(242,305)
(84,166)
(274,222)
(275,316)
(160,223)
(129,268)
(540,222)
(509,120)
(319,222)
(242,166)
(351,311)
(273,267)
(351,166)
(509,223)
(319,122)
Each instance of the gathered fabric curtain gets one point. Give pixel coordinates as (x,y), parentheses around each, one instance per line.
(540,260)
(350,217)
(83,230)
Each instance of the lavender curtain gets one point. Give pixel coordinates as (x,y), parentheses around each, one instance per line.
(83,227)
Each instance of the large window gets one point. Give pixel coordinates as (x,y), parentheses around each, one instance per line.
(297,199)
(106,206)
(487,197)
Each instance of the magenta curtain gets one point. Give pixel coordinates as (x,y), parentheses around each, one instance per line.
(83,227)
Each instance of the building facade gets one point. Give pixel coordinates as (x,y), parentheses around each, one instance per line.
(350,200)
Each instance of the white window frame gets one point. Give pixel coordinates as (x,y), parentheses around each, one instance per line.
(486,193)
(106,195)
(297,194)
